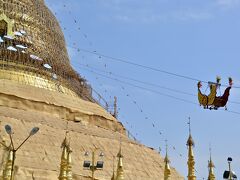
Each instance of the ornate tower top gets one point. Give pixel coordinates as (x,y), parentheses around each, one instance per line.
(191,162)
(167,170)
(211,166)
(113,175)
(190,141)
(120,174)
(66,160)
(32,48)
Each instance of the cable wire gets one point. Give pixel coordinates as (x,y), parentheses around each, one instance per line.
(139,81)
(143,66)
(141,87)
(151,90)
(145,83)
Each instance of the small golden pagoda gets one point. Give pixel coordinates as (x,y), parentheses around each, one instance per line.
(211,166)
(69,163)
(113,174)
(120,173)
(66,161)
(191,162)
(167,170)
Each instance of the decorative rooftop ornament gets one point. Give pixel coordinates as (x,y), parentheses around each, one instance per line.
(212,101)
(191,161)
(211,166)
(167,170)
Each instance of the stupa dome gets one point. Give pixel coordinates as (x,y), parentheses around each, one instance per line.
(33,44)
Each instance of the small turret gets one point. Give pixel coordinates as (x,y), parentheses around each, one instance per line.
(211,166)
(191,162)
(69,163)
(113,175)
(167,170)
(120,173)
(66,160)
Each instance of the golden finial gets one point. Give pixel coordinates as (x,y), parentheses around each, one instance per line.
(65,166)
(64,163)
(166,157)
(69,163)
(211,166)
(190,141)
(7,172)
(167,171)
(115,113)
(191,162)
(113,175)
(159,150)
(189,125)
(120,174)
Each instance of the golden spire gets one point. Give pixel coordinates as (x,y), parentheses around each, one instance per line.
(113,175)
(120,175)
(69,163)
(64,163)
(211,175)
(66,160)
(191,162)
(8,167)
(167,170)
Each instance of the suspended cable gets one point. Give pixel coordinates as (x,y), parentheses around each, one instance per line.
(145,83)
(138,81)
(143,66)
(150,90)
(143,88)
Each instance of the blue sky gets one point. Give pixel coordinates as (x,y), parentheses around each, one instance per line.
(199,39)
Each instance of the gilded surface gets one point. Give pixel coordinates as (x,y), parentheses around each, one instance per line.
(39,81)
(89,126)
(7,171)
(120,172)
(167,170)
(207,100)
(9,24)
(191,161)
(211,166)
(66,161)
(35,43)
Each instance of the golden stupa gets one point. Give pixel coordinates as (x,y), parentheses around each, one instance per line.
(38,87)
